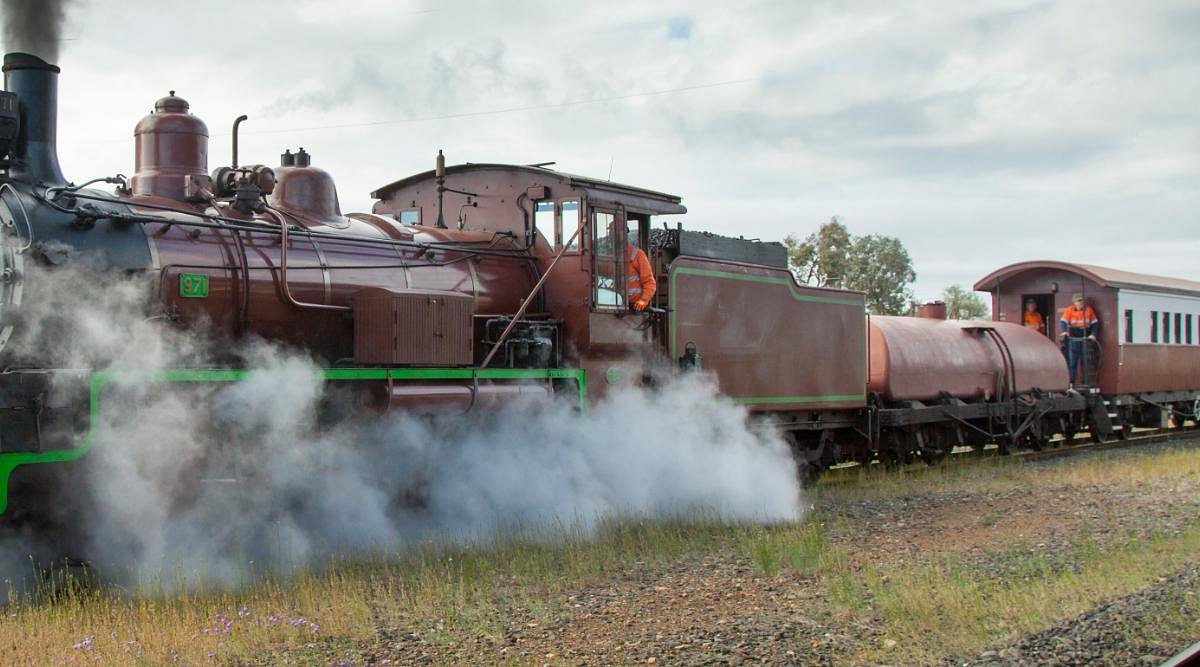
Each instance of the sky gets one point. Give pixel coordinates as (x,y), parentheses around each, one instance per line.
(979,133)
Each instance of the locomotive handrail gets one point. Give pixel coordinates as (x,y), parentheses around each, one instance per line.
(24,214)
(283,281)
(255,226)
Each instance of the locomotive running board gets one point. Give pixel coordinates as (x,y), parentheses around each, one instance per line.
(9,461)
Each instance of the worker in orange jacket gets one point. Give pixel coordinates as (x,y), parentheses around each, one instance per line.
(641,284)
(1078,323)
(1033,319)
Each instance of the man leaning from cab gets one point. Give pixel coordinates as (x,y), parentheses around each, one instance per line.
(641,284)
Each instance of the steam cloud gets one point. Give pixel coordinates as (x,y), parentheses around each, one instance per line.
(203,480)
(34,26)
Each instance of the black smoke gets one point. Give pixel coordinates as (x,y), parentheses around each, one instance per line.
(34,26)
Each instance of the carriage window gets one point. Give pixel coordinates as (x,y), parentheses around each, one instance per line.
(1178,328)
(410,217)
(569,221)
(1188,328)
(1154,326)
(1129,326)
(1166,328)
(607,288)
(543,218)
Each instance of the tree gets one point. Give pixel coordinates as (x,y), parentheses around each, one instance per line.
(964,305)
(821,258)
(875,264)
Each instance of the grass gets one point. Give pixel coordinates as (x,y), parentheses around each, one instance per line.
(955,608)
(942,605)
(443,592)
(971,473)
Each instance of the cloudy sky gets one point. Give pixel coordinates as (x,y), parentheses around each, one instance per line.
(979,133)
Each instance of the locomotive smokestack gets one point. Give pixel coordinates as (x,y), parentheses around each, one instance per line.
(35,82)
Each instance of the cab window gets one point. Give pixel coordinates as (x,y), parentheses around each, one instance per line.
(608,290)
(543,218)
(410,217)
(568,223)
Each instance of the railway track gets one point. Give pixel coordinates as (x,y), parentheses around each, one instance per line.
(1080,445)
(1141,438)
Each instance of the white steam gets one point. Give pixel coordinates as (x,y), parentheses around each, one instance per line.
(202,480)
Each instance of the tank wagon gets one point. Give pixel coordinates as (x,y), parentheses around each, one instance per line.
(470,285)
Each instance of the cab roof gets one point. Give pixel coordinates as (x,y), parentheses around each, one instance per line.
(665,203)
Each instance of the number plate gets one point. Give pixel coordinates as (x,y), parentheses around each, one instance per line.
(193,286)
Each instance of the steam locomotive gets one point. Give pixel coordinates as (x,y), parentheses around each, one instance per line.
(471,285)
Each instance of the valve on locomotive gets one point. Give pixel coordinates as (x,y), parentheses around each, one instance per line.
(531,344)
(246,186)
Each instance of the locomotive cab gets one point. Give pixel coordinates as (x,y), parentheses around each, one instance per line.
(575,229)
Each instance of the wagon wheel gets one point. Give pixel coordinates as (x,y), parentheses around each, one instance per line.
(1069,434)
(807,456)
(1125,423)
(808,472)
(1008,443)
(1034,437)
(1178,417)
(935,446)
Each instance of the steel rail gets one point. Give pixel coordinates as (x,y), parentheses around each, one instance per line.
(1070,449)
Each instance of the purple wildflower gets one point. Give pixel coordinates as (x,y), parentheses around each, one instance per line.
(85,645)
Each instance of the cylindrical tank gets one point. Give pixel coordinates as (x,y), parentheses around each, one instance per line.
(170,145)
(915,359)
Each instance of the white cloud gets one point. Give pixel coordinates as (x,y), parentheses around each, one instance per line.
(979,133)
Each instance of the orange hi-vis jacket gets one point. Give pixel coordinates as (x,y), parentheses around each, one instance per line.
(1033,320)
(641,284)
(1078,322)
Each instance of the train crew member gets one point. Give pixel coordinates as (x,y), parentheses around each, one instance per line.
(1034,319)
(641,284)
(1077,324)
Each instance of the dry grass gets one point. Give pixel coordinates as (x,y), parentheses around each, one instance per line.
(970,473)
(956,606)
(442,590)
(948,606)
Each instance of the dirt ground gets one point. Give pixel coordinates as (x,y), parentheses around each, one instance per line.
(720,608)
